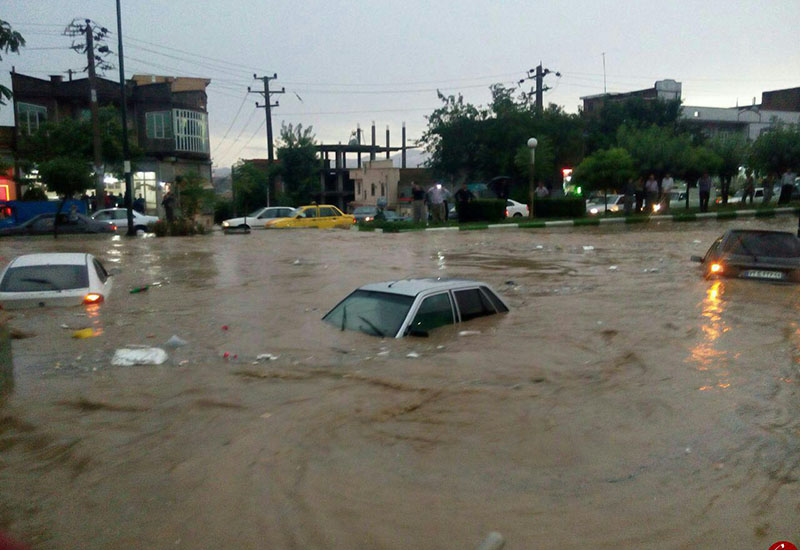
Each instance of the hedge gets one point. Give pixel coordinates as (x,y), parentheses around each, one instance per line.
(481,210)
(568,207)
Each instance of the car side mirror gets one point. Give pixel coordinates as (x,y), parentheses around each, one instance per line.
(418,332)
(698,259)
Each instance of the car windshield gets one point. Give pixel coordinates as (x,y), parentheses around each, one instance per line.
(38,278)
(772,245)
(365,210)
(376,313)
(255,213)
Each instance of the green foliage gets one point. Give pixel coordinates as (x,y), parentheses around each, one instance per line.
(568,207)
(469,143)
(73,138)
(777,149)
(633,112)
(223,209)
(195,197)
(732,150)
(65,176)
(10,41)
(250,185)
(604,170)
(491,210)
(299,166)
(654,149)
(34,194)
(696,161)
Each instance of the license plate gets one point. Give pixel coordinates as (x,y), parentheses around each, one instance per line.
(763,274)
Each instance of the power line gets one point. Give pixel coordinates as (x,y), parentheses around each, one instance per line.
(235,117)
(252,137)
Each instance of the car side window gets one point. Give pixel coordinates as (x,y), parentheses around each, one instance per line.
(101,271)
(102,216)
(44,224)
(472,303)
(310,213)
(496,302)
(326,213)
(435,311)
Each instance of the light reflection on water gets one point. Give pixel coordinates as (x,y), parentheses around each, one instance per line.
(705,354)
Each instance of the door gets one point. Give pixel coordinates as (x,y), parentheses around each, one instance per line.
(327,217)
(434,311)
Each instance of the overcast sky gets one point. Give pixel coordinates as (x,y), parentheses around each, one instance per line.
(344,63)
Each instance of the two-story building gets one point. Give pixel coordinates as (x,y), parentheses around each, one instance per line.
(167,119)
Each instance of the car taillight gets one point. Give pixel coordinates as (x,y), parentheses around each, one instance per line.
(92,298)
(716,268)
(506,212)
(113,227)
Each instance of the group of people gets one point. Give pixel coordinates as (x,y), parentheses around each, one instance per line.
(110,200)
(644,195)
(435,199)
(787,183)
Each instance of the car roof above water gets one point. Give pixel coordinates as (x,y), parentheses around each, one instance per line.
(51,258)
(412,287)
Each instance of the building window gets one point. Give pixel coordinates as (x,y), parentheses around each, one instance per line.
(373,189)
(191,131)
(30,117)
(359,189)
(383,190)
(159,124)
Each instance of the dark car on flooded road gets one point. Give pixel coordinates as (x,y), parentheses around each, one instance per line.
(753,254)
(43,225)
(394,309)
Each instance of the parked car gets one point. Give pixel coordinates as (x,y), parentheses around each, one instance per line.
(597,205)
(394,309)
(753,254)
(368,213)
(54,279)
(43,225)
(758,196)
(257,219)
(322,216)
(119,217)
(516,209)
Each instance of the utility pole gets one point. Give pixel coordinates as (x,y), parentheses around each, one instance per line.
(126,150)
(268,108)
(538,75)
(91,32)
(97,145)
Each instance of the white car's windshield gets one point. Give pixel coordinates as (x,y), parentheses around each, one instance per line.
(376,313)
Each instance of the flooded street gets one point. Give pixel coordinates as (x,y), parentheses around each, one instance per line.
(624,401)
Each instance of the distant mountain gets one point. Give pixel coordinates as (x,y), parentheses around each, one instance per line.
(220,171)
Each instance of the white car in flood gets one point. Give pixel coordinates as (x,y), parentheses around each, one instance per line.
(119,217)
(414,307)
(54,279)
(258,219)
(597,205)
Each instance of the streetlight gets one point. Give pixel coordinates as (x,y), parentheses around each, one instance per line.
(532,143)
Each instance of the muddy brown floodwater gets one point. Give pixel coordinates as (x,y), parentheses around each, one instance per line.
(624,402)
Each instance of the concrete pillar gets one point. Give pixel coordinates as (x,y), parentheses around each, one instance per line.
(372,151)
(403,164)
(387,141)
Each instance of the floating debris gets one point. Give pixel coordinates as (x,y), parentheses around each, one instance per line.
(126,357)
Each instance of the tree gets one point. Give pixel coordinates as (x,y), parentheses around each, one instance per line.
(633,112)
(732,150)
(299,166)
(607,169)
(654,149)
(250,185)
(776,149)
(10,41)
(66,176)
(194,195)
(73,138)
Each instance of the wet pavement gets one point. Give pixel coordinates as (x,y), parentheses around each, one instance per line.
(624,402)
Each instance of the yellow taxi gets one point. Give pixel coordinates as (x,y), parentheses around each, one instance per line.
(322,216)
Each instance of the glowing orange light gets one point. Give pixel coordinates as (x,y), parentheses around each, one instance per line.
(716,268)
(93,298)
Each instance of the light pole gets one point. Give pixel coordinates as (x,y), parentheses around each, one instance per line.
(126,152)
(532,143)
